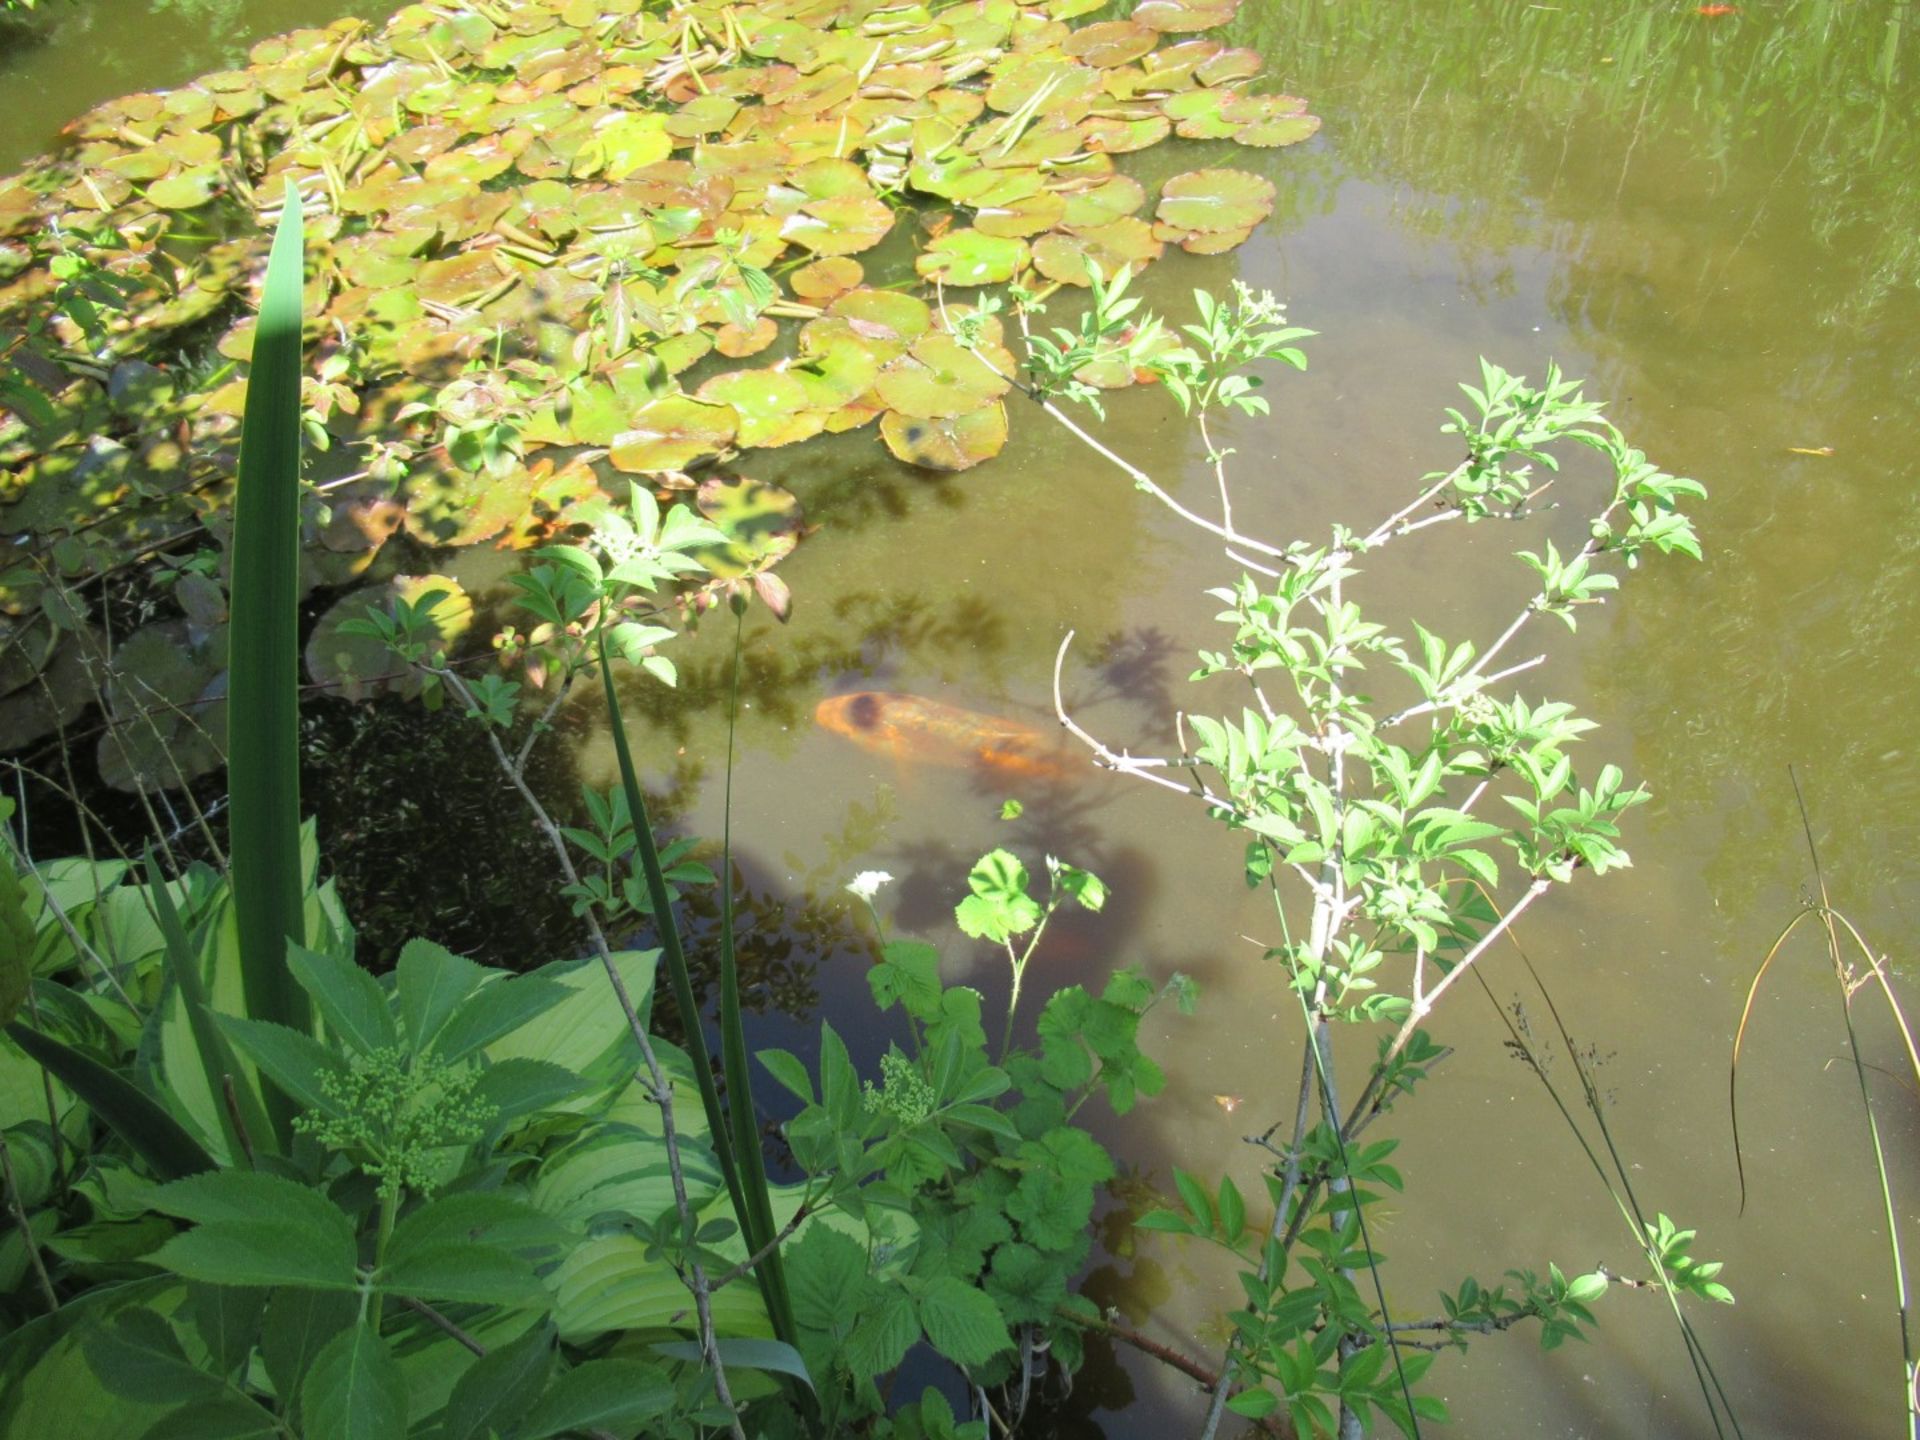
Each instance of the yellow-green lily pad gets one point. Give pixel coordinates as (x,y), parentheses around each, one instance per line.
(938,379)
(970,257)
(1215,200)
(771,404)
(956,442)
(673,433)
(188,190)
(761,521)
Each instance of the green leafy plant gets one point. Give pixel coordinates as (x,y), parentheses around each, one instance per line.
(1389,818)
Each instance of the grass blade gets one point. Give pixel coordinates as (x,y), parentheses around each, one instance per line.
(263,774)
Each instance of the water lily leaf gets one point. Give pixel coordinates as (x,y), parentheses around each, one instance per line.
(969,257)
(1101,204)
(165,697)
(1028,215)
(1046,85)
(361,517)
(884,316)
(358,667)
(1127,242)
(1111,136)
(673,433)
(139,166)
(703,115)
(737,343)
(762,523)
(1211,242)
(836,363)
(1175,67)
(622,144)
(1196,114)
(1284,130)
(1182,16)
(826,88)
(1114,42)
(1231,66)
(1215,200)
(838,224)
(826,279)
(447,505)
(771,404)
(940,378)
(456,279)
(957,442)
(188,190)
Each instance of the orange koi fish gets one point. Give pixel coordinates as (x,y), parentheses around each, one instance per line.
(928,733)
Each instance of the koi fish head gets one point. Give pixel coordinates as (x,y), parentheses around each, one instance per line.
(858,717)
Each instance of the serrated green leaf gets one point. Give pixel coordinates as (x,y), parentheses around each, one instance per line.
(347,997)
(355,1390)
(962,1322)
(499,1387)
(432,983)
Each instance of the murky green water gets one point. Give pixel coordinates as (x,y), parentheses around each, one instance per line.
(1715,220)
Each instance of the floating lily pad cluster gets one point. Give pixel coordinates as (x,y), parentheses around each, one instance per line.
(529,224)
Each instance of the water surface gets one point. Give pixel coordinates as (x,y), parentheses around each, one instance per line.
(1714,220)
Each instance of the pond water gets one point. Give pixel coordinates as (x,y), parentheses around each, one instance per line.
(1712,219)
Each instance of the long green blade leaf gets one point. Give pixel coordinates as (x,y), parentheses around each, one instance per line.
(132,1114)
(676,957)
(263,774)
(733,1059)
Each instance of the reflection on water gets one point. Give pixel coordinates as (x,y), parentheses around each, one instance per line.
(1714,220)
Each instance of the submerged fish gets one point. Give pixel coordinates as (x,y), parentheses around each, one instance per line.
(925,732)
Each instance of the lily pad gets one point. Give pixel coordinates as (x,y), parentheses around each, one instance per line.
(1126,243)
(1215,200)
(1117,136)
(839,224)
(165,697)
(1284,130)
(1175,17)
(940,378)
(970,257)
(673,433)
(1110,200)
(884,316)
(188,190)
(957,442)
(761,521)
(447,505)
(1114,42)
(1028,215)
(836,363)
(826,279)
(771,404)
(358,667)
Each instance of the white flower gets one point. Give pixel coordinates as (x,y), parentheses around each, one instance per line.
(867,884)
